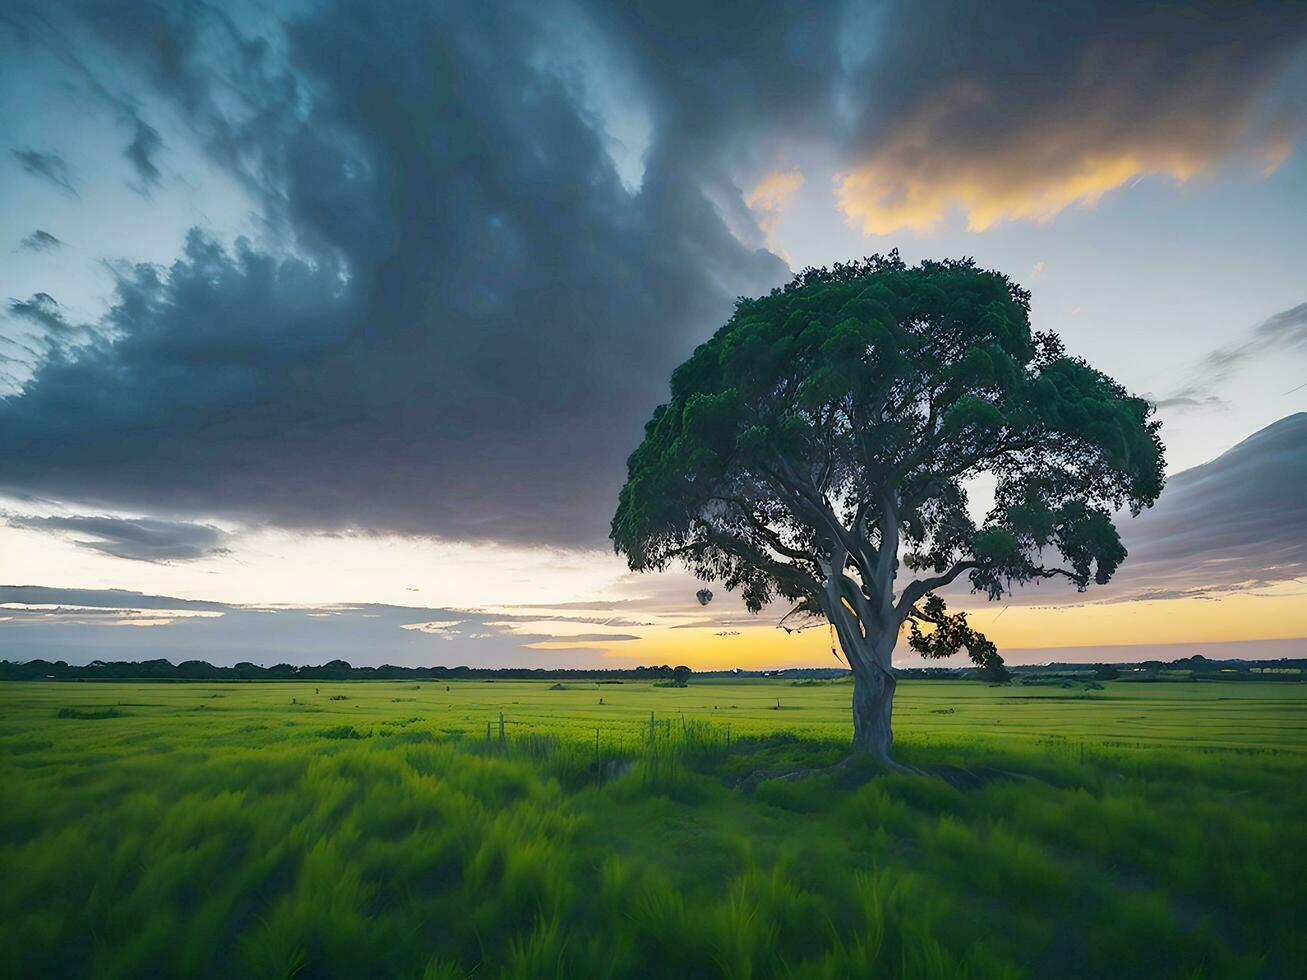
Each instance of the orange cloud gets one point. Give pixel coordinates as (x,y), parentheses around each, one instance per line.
(770,196)
(888,194)
(996,155)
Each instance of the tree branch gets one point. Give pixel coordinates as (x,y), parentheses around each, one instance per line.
(913,593)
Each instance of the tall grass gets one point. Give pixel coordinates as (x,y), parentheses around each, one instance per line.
(261,843)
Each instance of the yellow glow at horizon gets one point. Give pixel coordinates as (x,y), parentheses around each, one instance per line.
(1274,613)
(1277,612)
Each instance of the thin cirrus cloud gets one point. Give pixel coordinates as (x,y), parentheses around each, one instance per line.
(134,539)
(80,625)
(47,166)
(1283,334)
(39,241)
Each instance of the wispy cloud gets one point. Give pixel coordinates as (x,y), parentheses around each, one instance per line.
(1283,333)
(134,539)
(40,241)
(47,166)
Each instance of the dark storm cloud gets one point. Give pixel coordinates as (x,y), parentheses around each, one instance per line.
(40,241)
(135,539)
(481,318)
(47,166)
(470,313)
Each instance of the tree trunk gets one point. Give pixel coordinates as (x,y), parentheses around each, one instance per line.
(873,710)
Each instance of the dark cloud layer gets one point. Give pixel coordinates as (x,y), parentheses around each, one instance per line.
(479,319)
(470,310)
(136,539)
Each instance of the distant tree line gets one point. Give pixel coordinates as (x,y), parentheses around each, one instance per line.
(332,670)
(1198,668)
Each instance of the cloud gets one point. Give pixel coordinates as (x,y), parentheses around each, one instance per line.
(41,310)
(772,195)
(135,539)
(469,323)
(40,595)
(1284,333)
(1000,123)
(775,191)
(1236,524)
(39,241)
(479,269)
(141,151)
(73,625)
(1237,521)
(47,166)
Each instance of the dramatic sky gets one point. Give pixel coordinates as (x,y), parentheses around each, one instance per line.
(327,326)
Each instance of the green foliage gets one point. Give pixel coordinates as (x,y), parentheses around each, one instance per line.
(833,420)
(237,842)
(341,731)
(89,713)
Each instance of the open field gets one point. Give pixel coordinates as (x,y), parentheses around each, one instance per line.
(371,829)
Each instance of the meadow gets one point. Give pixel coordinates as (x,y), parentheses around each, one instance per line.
(372,829)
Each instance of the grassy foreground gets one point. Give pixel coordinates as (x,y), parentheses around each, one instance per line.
(372,829)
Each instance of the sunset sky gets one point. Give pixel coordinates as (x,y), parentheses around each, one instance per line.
(328,326)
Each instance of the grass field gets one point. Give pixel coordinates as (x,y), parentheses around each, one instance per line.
(383,830)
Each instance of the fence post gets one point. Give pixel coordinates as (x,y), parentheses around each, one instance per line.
(651,727)
(502,739)
(487,733)
(728,738)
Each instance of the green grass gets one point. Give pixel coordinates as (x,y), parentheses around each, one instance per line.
(270,830)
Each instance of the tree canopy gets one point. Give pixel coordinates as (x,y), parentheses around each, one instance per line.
(837,424)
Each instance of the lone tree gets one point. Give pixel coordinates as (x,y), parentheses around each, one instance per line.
(833,426)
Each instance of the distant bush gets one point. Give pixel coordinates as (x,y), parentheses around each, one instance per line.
(676,682)
(341,732)
(88,713)
(338,697)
